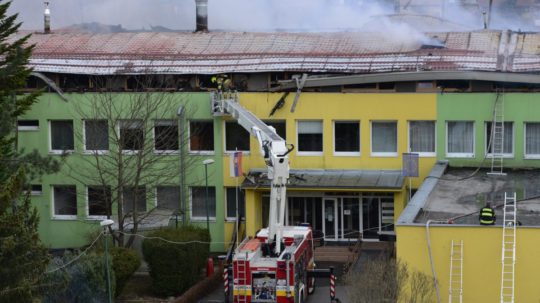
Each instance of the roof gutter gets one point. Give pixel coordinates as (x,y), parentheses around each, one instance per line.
(322,81)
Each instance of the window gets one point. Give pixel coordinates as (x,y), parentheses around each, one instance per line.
(280,126)
(131,134)
(422,137)
(460,139)
(134,196)
(201,136)
(166,135)
(33,189)
(27,125)
(168,197)
(532,140)
(347,137)
(384,138)
(198,202)
(96,135)
(310,137)
(231,203)
(508,139)
(236,137)
(61,136)
(99,201)
(65,201)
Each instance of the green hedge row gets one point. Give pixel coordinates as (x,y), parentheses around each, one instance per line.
(174,268)
(125,263)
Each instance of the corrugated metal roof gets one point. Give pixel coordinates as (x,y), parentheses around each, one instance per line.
(337,179)
(225,52)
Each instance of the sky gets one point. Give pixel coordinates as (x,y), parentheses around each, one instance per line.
(255,15)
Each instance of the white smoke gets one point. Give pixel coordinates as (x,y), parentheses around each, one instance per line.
(276,15)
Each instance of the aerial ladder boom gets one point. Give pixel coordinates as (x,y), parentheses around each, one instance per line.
(275,151)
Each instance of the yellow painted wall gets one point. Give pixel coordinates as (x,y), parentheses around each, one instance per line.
(482,259)
(330,107)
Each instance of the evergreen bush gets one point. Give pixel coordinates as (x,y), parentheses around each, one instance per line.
(174,268)
(125,263)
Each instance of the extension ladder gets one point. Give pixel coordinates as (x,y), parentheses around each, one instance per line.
(241,279)
(508,249)
(455,289)
(497,137)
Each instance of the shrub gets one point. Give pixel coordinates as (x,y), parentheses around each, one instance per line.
(174,268)
(125,263)
(82,281)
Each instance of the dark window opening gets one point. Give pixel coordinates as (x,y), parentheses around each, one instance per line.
(131,135)
(453,85)
(96,136)
(99,200)
(347,136)
(168,197)
(65,200)
(201,135)
(134,197)
(166,135)
(231,202)
(236,137)
(62,135)
(387,85)
(74,82)
(27,125)
(310,136)
(280,127)
(198,202)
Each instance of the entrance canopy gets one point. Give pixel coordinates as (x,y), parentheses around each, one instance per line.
(331,179)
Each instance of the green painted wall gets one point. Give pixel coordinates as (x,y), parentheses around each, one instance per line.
(478,107)
(59,233)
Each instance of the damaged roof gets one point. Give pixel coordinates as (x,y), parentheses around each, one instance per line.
(332,179)
(460,193)
(226,52)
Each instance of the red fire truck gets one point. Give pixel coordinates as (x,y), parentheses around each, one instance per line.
(277,264)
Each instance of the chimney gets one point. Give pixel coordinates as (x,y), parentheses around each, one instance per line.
(47,28)
(202,15)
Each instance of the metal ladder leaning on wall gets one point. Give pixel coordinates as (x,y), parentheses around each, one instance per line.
(455,289)
(508,249)
(497,137)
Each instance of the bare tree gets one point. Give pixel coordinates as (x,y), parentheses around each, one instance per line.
(384,279)
(135,152)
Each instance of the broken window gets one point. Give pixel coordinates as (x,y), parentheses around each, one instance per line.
(384,138)
(168,197)
(347,137)
(232,193)
(279,126)
(166,135)
(65,201)
(460,138)
(96,135)
(61,135)
(201,136)
(131,134)
(310,136)
(198,202)
(99,201)
(422,137)
(134,197)
(236,137)
(508,138)
(532,140)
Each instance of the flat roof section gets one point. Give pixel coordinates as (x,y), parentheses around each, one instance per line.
(460,193)
(337,179)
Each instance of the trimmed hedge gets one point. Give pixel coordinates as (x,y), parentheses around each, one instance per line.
(174,268)
(125,263)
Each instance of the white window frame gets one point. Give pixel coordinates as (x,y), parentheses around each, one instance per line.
(460,155)
(203,218)
(347,154)
(93,151)
(422,154)
(525,155)
(62,217)
(229,152)
(384,154)
(129,151)
(87,201)
(233,219)
(309,153)
(60,151)
(168,151)
(199,152)
(27,128)
(486,139)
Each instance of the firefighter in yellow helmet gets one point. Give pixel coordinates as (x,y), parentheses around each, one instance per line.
(222,82)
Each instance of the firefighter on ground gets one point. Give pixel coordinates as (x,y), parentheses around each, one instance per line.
(222,82)
(487,215)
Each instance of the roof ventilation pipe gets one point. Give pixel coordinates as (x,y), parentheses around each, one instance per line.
(202,15)
(47,25)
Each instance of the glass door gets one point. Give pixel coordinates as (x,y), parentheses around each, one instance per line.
(330,215)
(371,217)
(351,219)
